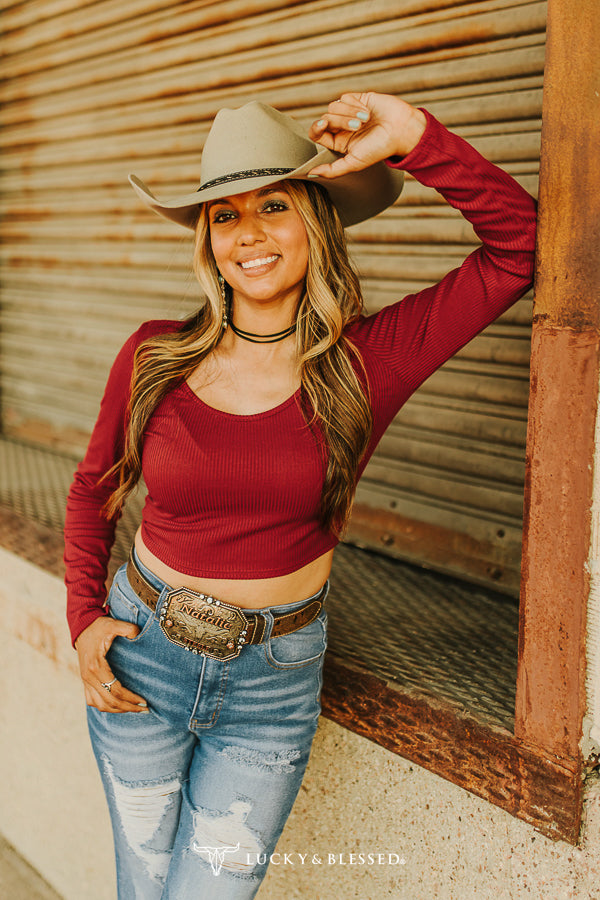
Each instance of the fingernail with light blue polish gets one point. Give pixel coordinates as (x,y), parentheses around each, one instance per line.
(321,123)
(353,123)
(363,116)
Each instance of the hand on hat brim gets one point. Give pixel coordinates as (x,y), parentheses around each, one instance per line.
(335,132)
(366,129)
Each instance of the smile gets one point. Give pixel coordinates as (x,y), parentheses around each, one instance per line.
(261,261)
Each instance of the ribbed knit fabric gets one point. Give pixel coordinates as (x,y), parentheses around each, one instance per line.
(238,496)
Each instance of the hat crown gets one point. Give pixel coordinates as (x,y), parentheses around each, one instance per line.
(253,137)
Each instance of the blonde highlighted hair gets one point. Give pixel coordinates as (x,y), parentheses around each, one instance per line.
(333,397)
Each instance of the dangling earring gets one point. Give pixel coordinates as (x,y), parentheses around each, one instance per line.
(222,286)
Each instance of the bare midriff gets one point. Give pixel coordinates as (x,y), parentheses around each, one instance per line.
(252,593)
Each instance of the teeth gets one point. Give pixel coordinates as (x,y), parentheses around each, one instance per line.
(254,263)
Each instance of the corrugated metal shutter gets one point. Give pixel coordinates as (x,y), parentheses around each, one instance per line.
(91,91)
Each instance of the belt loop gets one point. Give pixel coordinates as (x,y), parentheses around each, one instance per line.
(161,599)
(263,625)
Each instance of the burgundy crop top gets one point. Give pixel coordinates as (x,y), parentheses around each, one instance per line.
(233,496)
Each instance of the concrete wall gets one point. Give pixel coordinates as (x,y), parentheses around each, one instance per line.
(357,798)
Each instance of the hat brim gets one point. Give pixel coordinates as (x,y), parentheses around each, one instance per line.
(357,196)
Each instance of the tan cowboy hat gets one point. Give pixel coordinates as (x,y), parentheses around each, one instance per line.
(256,145)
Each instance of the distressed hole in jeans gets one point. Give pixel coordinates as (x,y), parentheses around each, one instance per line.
(148,813)
(276,761)
(225,840)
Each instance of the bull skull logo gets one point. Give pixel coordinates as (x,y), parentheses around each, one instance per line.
(216,855)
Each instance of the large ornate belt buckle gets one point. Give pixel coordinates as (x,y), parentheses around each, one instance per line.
(202,624)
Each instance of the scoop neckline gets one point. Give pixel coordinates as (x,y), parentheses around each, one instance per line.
(260,415)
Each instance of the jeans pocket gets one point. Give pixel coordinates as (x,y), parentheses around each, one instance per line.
(125,606)
(300,648)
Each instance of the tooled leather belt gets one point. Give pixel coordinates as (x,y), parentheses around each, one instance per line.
(203,624)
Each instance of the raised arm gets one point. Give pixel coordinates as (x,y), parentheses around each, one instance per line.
(417,335)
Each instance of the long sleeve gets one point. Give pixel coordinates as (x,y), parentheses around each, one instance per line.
(89,535)
(414,337)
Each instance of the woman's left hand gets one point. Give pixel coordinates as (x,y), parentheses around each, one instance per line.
(366,128)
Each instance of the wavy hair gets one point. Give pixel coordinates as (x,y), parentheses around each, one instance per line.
(333,398)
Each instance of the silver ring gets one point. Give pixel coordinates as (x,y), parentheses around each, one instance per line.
(107,685)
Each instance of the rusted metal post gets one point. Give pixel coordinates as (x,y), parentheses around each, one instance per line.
(564,391)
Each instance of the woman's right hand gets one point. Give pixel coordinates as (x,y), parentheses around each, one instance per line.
(92,645)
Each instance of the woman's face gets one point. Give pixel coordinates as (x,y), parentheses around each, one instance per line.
(260,245)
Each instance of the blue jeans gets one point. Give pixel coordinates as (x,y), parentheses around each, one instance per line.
(200,788)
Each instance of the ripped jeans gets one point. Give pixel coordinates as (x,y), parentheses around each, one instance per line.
(200,788)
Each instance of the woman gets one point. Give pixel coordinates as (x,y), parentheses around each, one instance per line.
(251,423)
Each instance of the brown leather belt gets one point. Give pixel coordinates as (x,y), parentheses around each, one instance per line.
(203,624)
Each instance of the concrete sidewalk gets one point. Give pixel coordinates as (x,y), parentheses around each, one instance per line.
(18,881)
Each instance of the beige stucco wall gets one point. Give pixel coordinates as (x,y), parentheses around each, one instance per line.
(357,798)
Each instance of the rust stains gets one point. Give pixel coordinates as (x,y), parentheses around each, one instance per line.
(569,220)
(558,496)
(486,760)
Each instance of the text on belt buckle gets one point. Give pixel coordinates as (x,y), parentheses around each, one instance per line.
(202,624)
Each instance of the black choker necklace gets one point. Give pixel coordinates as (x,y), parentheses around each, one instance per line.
(262,338)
